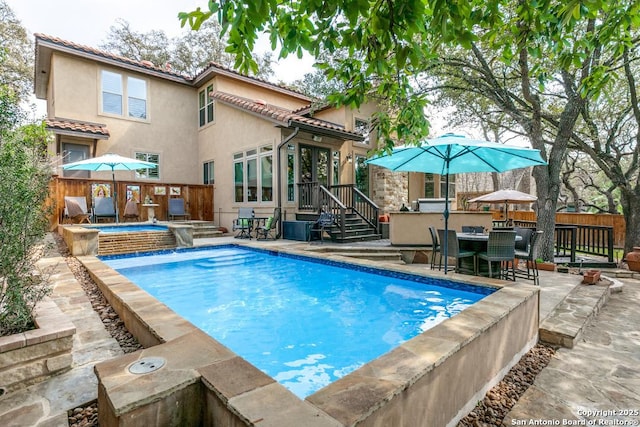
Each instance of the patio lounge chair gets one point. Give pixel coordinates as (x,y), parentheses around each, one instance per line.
(75,210)
(325,221)
(176,209)
(268,229)
(103,208)
(244,223)
(131,210)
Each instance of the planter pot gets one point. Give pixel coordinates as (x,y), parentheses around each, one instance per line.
(591,277)
(633,259)
(546,266)
(562,269)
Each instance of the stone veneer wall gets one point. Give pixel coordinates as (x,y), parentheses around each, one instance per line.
(40,353)
(389,189)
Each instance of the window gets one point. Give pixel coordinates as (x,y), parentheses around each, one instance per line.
(336,168)
(116,88)
(291,172)
(205,106)
(207,173)
(429,186)
(452,186)
(362,127)
(253,175)
(150,173)
(362,174)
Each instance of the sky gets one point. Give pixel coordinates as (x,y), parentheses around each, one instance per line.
(87,22)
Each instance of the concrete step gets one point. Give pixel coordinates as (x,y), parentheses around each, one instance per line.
(357,238)
(566,323)
(374,256)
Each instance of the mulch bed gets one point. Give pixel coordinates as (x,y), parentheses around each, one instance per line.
(487,413)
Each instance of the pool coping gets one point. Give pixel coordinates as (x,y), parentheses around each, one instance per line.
(235,390)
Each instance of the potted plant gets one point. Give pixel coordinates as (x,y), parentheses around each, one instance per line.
(564,268)
(543,265)
(591,277)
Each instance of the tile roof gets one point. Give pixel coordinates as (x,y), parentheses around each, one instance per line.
(96,129)
(87,49)
(166,71)
(284,116)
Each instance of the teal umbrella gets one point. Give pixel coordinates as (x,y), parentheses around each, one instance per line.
(452,154)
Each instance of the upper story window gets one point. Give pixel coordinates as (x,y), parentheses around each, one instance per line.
(205,106)
(118,88)
(363,127)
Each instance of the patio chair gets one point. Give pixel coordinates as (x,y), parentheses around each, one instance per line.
(268,229)
(529,256)
(500,249)
(324,222)
(103,208)
(435,246)
(75,210)
(525,233)
(131,210)
(176,209)
(454,251)
(244,223)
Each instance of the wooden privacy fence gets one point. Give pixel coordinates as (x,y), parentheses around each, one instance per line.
(198,198)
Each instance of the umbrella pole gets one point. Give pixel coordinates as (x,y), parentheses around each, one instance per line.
(115,193)
(446,222)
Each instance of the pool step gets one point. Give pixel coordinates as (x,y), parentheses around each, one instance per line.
(205,229)
(378,256)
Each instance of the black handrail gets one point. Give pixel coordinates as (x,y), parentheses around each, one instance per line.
(327,202)
(357,203)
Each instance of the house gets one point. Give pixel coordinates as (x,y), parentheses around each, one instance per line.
(260,144)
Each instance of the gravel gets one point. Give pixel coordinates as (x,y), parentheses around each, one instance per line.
(487,413)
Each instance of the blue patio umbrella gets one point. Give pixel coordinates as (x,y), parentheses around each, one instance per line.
(110,162)
(452,154)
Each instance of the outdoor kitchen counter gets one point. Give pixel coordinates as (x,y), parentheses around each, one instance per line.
(412,228)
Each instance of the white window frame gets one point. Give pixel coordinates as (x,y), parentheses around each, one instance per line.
(125,110)
(254,155)
(148,173)
(206,107)
(364,128)
(208,171)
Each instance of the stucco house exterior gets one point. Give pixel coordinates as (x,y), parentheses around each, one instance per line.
(259,144)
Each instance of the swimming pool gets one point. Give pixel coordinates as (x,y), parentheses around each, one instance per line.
(129,228)
(304,323)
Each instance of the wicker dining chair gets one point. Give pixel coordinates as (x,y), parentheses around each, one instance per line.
(500,248)
(529,255)
(435,246)
(454,251)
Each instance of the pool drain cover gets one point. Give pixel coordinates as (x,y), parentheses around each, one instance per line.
(146,365)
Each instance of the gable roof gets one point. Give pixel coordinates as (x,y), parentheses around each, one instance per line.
(45,45)
(286,118)
(77,128)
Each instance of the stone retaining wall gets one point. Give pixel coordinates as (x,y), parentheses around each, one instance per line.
(40,353)
(120,243)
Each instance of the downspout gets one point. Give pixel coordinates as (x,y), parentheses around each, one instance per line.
(279,169)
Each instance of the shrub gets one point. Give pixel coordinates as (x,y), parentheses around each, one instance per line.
(24,186)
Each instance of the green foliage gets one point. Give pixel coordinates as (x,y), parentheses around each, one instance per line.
(389,44)
(24,181)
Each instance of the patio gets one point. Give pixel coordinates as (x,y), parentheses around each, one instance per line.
(44,404)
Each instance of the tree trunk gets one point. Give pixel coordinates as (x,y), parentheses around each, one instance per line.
(630,202)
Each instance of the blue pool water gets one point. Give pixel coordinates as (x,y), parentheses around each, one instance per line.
(129,228)
(304,323)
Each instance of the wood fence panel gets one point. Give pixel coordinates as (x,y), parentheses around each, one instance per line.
(198,198)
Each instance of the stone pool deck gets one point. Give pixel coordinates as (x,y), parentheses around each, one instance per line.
(600,372)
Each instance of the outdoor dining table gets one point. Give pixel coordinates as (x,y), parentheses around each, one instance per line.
(254,223)
(476,242)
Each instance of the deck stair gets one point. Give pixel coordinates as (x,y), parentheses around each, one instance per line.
(356,229)
(205,229)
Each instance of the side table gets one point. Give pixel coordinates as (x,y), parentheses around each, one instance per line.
(151,212)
